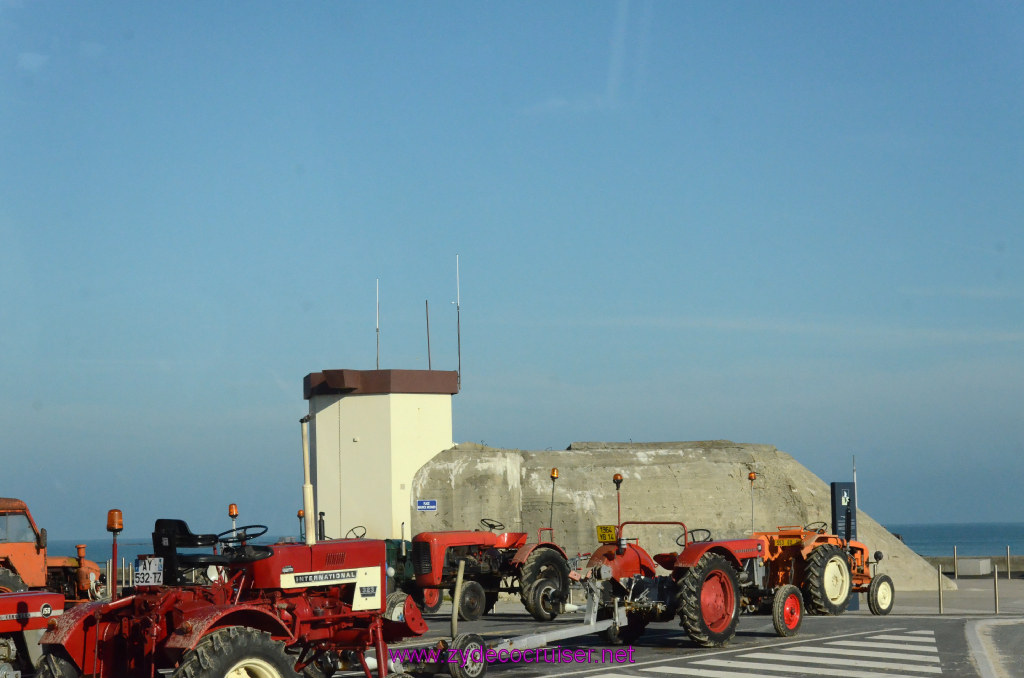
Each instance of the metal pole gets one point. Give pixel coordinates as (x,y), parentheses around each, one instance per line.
(1007,561)
(939,570)
(956,565)
(456,594)
(427,302)
(458,318)
(995,585)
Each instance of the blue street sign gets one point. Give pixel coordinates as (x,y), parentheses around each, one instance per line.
(426,504)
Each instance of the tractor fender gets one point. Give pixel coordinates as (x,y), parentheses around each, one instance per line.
(736,551)
(201,621)
(75,631)
(524,552)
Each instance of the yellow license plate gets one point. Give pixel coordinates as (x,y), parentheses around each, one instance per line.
(606,534)
(788,541)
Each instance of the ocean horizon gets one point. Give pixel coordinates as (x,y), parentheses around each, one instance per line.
(926,539)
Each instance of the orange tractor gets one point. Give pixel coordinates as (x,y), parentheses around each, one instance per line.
(827,568)
(25,564)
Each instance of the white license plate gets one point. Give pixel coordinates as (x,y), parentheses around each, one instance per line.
(149,572)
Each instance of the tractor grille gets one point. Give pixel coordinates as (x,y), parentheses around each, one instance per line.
(421,557)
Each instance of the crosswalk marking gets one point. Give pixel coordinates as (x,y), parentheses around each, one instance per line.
(909,639)
(744,668)
(869,653)
(859,663)
(844,671)
(922,633)
(884,646)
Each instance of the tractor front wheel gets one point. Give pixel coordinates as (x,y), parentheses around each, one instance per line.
(429,600)
(787,610)
(881,595)
(237,652)
(543,598)
(709,607)
(829,584)
(544,563)
(472,601)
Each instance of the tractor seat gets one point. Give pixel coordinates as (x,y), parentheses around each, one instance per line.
(171,534)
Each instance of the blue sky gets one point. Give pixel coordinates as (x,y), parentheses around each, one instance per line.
(797,224)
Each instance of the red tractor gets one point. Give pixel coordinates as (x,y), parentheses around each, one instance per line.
(826,567)
(494,563)
(269,611)
(23,620)
(706,584)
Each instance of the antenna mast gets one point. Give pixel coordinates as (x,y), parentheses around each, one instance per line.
(458,319)
(378,323)
(427,302)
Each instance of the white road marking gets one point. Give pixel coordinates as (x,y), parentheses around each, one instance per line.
(884,646)
(909,639)
(870,653)
(758,667)
(859,663)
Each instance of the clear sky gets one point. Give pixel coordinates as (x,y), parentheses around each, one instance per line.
(796,224)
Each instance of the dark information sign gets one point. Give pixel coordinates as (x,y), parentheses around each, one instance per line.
(844,518)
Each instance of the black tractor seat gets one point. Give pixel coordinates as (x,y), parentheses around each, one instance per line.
(171,534)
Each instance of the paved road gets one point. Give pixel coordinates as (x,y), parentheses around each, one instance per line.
(852,645)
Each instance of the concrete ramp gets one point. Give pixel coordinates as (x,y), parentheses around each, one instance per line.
(702,484)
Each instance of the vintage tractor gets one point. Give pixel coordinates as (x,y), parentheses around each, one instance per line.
(827,568)
(25,564)
(23,619)
(238,609)
(494,563)
(706,584)
(255,610)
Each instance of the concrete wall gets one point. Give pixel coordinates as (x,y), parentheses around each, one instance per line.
(702,484)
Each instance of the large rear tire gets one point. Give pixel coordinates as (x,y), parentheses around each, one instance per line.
(881,594)
(709,607)
(787,610)
(829,583)
(237,652)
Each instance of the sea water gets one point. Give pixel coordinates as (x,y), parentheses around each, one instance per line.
(970,539)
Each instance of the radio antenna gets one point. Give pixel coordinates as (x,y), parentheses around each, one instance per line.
(458,319)
(378,323)
(427,302)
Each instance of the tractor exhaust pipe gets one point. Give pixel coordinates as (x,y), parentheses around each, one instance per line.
(307,487)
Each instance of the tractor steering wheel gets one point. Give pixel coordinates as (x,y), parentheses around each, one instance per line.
(819,527)
(492,524)
(357,532)
(240,535)
(702,535)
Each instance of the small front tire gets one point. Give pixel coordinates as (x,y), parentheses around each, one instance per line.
(881,595)
(787,610)
(470,660)
(472,601)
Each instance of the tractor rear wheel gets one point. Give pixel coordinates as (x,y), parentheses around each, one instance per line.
(881,595)
(10,582)
(472,601)
(787,610)
(544,563)
(829,584)
(237,652)
(57,665)
(709,607)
